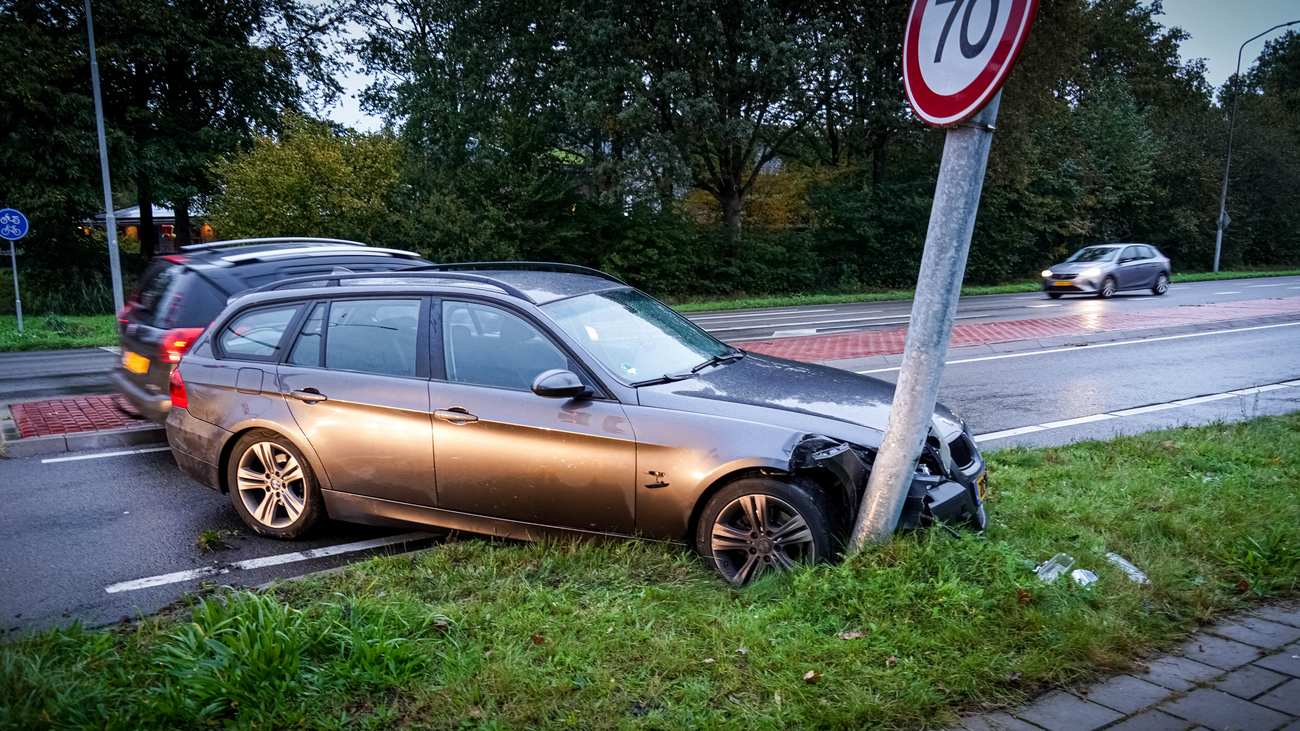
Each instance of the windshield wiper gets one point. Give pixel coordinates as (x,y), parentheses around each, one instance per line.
(665,378)
(719,359)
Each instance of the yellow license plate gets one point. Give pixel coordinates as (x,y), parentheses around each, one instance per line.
(135,362)
(1060,284)
(982,486)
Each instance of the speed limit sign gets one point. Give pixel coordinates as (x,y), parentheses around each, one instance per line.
(957,53)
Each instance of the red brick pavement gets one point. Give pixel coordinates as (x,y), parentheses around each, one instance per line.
(77,414)
(890,342)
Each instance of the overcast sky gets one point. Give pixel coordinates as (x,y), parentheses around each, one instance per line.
(1217,28)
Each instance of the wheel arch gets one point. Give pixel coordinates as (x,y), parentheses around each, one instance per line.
(819,480)
(227,447)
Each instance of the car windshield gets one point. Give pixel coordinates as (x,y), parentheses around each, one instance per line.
(633,335)
(1094,253)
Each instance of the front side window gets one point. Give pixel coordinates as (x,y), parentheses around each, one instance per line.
(1094,253)
(634,335)
(488,346)
(373,336)
(256,334)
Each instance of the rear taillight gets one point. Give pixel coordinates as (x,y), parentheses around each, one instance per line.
(180,399)
(176,343)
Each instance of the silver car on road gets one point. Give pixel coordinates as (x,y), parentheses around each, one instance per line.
(1105,269)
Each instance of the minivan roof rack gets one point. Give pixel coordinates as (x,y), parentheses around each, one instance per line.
(236,243)
(538,266)
(334,280)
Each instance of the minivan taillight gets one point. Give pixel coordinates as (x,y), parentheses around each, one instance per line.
(178,342)
(180,399)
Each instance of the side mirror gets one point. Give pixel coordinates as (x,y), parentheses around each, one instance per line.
(559,383)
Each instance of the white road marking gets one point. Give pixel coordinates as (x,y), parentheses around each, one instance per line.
(258,563)
(112,349)
(777,313)
(1090,346)
(1227,292)
(102,455)
(1261,286)
(981,438)
(1035,307)
(794,333)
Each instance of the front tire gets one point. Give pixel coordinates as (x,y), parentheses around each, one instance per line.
(272,486)
(763,523)
(1161,286)
(1107,288)
(1054,295)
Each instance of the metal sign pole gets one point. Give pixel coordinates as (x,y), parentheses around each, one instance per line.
(110,222)
(947,242)
(18,300)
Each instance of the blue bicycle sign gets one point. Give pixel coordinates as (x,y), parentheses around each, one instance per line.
(13,224)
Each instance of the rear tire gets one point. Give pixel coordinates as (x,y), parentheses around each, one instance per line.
(1107,288)
(1161,286)
(272,486)
(759,524)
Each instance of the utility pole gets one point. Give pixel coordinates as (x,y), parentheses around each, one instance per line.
(953,74)
(1227,159)
(110,221)
(938,287)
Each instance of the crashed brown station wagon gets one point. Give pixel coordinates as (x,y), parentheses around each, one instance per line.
(523,399)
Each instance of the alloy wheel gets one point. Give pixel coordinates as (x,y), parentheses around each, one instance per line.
(757,532)
(1108,288)
(1162,284)
(271,484)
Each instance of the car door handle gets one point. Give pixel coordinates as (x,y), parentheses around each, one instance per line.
(308,395)
(455,415)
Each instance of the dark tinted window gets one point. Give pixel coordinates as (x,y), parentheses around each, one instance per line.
(373,336)
(155,283)
(257,333)
(488,346)
(306,350)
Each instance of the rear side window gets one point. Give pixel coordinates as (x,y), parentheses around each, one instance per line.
(306,351)
(256,334)
(373,336)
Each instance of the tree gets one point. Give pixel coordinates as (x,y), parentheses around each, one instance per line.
(188,81)
(311,180)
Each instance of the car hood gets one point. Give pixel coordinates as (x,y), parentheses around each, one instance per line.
(1068,267)
(789,391)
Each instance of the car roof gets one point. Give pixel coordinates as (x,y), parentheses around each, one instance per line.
(240,251)
(536,282)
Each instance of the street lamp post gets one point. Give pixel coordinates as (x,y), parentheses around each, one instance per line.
(1227,162)
(110,223)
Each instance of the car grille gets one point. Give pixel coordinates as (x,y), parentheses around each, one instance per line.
(1063,276)
(962,450)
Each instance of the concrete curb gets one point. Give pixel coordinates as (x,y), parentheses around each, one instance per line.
(81,441)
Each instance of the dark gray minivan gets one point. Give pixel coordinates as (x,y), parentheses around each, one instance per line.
(179,294)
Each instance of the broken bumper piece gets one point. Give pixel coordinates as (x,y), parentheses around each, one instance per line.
(951,500)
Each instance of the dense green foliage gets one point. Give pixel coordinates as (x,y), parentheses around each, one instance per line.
(697,148)
(480,634)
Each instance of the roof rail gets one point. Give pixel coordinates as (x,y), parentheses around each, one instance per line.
(334,280)
(539,266)
(236,243)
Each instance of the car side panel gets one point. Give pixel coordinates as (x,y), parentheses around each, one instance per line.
(680,454)
(221,396)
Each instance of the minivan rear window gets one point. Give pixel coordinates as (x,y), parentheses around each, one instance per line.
(154,284)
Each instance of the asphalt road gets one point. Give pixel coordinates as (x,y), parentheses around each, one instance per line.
(815,319)
(72,531)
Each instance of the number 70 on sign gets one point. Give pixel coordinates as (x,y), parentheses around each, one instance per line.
(957,54)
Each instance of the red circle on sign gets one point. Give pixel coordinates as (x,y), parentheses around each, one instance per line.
(947,109)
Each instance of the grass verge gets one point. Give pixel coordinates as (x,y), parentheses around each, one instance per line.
(499,635)
(836,298)
(55,332)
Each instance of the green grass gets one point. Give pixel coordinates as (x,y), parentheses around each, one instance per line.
(483,634)
(54,332)
(835,298)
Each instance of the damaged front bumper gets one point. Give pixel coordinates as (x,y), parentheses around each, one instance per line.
(948,489)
